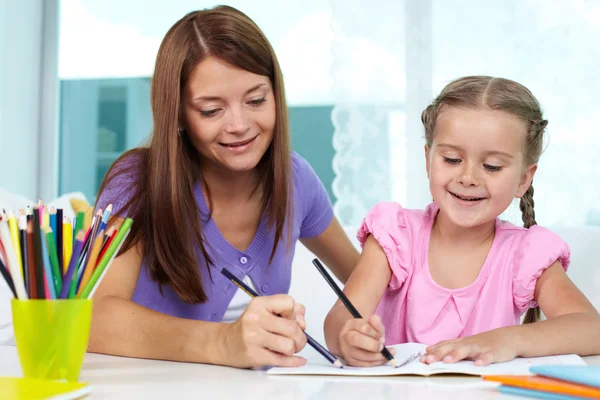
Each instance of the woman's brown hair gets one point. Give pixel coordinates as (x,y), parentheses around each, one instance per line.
(486,92)
(167,223)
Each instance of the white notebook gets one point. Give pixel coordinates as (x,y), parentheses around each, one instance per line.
(317,365)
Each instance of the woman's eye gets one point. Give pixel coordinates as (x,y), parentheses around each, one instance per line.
(209,113)
(452,161)
(257,102)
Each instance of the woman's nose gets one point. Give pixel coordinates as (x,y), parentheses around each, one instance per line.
(237,122)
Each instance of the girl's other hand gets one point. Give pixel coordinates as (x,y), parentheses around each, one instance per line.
(498,345)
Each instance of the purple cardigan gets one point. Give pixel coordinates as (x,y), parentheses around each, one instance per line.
(312,214)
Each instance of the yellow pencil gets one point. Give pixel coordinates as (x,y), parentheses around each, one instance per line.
(45,219)
(16,241)
(67,243)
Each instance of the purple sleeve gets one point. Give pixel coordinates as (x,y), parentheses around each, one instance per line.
(312,200)
(120,187)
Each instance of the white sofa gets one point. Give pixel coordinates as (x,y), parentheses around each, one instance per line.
(309,288)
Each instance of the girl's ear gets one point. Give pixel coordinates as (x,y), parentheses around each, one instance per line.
(526,180)
(427,160)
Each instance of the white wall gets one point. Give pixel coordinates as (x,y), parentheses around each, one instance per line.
(28,86)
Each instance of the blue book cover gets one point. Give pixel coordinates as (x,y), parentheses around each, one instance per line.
(586,375)
(538,394)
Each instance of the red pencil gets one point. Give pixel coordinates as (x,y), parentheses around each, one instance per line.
(31,262)
(106,245)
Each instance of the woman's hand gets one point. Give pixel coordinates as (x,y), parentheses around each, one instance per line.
(268,333)
(498,345)
(361,342)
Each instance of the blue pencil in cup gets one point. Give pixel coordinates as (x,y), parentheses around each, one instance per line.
(47,268)
(105,217)
(71,273)
(312,342)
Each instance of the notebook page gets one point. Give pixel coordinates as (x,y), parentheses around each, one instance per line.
(518,366)
(317,365)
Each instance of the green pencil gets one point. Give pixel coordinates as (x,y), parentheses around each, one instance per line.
(108,255)
(80,219)
(57,278)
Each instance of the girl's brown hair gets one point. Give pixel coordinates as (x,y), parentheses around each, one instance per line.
(485,92)
(167,225)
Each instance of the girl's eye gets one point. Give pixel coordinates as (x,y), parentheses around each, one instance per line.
(257,102)
(492,168)
(209,113)
(452,161)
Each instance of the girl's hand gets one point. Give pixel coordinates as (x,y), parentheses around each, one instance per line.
(361,342)
(498,345)
(268,333)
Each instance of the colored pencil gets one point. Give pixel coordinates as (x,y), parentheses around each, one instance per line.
(70,275)
(23,242)
(386,353)
(33,280)
(40,207)
(74,232)
(37,247)
(50,281)
(8,279)
(110,235)
(91,263)
(10,262)
(86,243)
(107,259)
(53,216)
(56,270)
(67,245)
(13,227)
(58,232)
(79,223)
(90,240)
(105,218)
(312,342)
(45,218)
(105,270)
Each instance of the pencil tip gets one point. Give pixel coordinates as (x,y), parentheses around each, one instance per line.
(394,363)
(338,364)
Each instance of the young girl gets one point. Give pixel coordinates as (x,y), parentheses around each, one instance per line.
(454,276)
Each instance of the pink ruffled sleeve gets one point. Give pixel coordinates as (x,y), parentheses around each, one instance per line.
(539,249)
(387,223)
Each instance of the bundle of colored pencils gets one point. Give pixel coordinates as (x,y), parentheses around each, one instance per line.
(44,255)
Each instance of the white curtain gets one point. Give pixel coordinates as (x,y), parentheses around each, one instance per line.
(391,58)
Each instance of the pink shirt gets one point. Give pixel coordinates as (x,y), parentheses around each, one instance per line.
(415,308)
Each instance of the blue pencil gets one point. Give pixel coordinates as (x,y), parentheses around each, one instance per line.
(72,265)
(53,220)
(105,218)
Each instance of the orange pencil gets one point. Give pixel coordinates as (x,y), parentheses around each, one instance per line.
(91,264)
(547,385)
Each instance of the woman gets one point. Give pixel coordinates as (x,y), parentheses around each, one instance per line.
(216,187)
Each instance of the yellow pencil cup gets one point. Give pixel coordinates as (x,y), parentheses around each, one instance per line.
(52,336)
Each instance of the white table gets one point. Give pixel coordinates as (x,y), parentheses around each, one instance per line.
(129,378)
